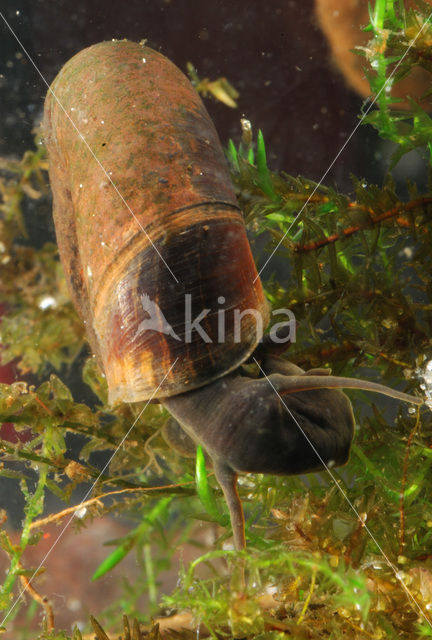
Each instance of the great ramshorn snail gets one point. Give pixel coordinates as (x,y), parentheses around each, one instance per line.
(147,223)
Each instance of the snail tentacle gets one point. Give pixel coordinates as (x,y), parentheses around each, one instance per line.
(294,384)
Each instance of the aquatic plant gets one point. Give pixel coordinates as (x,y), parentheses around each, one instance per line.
(341,553)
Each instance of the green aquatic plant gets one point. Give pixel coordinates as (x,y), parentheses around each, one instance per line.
(340,555)
(401,40)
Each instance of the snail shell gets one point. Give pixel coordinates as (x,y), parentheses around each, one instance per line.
(146,218)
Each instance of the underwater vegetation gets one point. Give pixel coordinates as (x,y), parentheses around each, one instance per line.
(340,24)
(330,555)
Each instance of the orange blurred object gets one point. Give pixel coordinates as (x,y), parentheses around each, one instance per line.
(341,23)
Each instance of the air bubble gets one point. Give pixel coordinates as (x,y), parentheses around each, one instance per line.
(47,302)
(80,513)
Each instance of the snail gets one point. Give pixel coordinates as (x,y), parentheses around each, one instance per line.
(159,267)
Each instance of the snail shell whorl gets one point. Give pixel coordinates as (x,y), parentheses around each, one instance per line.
(149,130)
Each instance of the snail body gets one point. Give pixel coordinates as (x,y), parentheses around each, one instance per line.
(150,237)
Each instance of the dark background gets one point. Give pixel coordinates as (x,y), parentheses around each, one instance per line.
(273,52)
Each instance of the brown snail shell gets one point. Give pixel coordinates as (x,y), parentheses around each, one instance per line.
(145,213)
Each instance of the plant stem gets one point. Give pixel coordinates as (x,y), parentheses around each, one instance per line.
(33,508)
